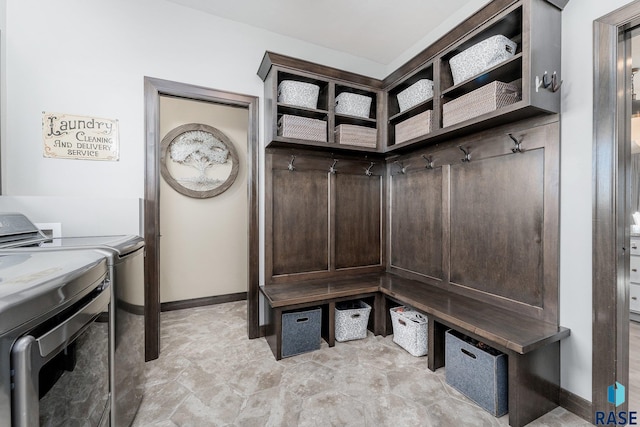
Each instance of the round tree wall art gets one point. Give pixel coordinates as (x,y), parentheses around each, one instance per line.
(198,160)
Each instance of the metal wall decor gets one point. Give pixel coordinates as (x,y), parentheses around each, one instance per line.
(198,160)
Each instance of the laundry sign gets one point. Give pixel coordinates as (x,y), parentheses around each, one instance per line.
(80,137)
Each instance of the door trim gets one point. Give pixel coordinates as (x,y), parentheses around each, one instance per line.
(153,89)
(611,89)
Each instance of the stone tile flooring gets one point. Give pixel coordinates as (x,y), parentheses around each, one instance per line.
(210,374)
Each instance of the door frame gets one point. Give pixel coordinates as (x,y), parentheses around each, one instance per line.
(611,159)
(153,89)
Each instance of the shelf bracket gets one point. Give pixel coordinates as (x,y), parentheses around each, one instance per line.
(467,155)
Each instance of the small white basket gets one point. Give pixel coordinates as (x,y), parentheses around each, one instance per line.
(300,94)
(410,330)
(480,57)
(353,104)
(415,94)
(351,320)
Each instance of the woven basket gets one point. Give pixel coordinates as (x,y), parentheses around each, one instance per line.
(483,100)
(302,128)
(414,127)
(356,135)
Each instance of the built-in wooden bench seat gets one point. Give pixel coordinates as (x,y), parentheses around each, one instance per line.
(532,345)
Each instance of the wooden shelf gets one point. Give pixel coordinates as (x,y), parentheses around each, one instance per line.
(283,142)
(410,112)
(503,72)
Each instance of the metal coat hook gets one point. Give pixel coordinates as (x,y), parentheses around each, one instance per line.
(429,160)
(333,169)
(543,82)
(367,171)
(467,155)
(517,148)
(403,169)
(290,166)
(555,86)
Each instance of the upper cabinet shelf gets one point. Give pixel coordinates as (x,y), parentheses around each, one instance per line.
(516,43)
(343,118)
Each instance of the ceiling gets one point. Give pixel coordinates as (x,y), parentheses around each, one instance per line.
(379,30)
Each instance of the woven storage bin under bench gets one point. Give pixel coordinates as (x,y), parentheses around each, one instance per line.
(291,126)
(361,136)
(414,127)
(486,99)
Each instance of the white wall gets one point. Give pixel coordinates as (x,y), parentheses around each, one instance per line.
(576,189)
(89,58)
(82,57)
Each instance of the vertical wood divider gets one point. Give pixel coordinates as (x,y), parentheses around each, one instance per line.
(446,224)
(331,188)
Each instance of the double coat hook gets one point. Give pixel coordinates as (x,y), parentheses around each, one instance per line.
(517,148)
(550,83)
(429,161)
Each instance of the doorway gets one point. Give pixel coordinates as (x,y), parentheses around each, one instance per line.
(611,202)
(154,90)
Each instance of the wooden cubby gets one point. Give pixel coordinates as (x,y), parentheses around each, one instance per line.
(534,25)
(275,68)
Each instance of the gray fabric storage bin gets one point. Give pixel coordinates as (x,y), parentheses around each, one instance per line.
(352,318)
(477,371)
(301,331)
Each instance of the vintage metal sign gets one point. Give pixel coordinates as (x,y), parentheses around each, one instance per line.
(79,137)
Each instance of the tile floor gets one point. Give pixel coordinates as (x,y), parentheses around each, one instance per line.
(210,374)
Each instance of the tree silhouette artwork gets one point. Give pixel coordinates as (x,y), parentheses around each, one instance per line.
(201,151)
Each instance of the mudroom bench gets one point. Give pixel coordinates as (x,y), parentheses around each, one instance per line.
(532,345)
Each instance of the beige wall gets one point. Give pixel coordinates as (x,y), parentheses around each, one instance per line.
(203,243)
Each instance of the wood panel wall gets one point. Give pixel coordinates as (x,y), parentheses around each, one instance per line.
(321,223)
(484,224)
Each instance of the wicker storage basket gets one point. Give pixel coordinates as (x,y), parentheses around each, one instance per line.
(415,94)
(480,57)
(353,104)
(300,94)
(302,128)
(414,127)
(409,330)
(356,135)
(483,100)
(352,318)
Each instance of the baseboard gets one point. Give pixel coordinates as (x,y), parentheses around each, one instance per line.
(201,302)
(576,404)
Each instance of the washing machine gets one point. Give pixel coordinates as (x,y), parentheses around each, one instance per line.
(125,260)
